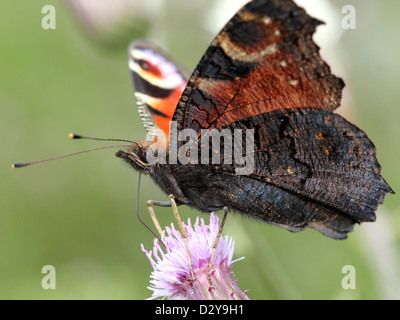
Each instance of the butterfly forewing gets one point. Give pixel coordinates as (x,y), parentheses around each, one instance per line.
(158,82)
(263,60)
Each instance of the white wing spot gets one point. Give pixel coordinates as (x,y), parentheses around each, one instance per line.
(294,82)
(283,63)
(267,20)
(269,50)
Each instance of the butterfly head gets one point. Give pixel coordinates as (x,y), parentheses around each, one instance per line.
(136,156)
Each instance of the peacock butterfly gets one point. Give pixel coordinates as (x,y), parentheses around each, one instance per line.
(262,72)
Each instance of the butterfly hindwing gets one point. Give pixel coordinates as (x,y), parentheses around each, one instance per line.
(317,155)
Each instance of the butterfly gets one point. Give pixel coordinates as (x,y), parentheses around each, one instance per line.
(262,72)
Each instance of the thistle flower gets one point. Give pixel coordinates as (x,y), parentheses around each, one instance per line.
(172,278)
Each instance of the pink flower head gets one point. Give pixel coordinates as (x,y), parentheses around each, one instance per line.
(171,277)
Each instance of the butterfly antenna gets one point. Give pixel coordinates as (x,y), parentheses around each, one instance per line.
(138,216)
(26,164)
(77,136)
(74,136)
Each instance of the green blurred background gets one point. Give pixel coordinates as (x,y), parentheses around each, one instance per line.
(78,214)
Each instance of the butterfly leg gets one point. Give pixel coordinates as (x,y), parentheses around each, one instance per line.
(172,203)
(150,204)
(214,247)
(183,231)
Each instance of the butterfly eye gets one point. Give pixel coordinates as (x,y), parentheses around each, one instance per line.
(143,155)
